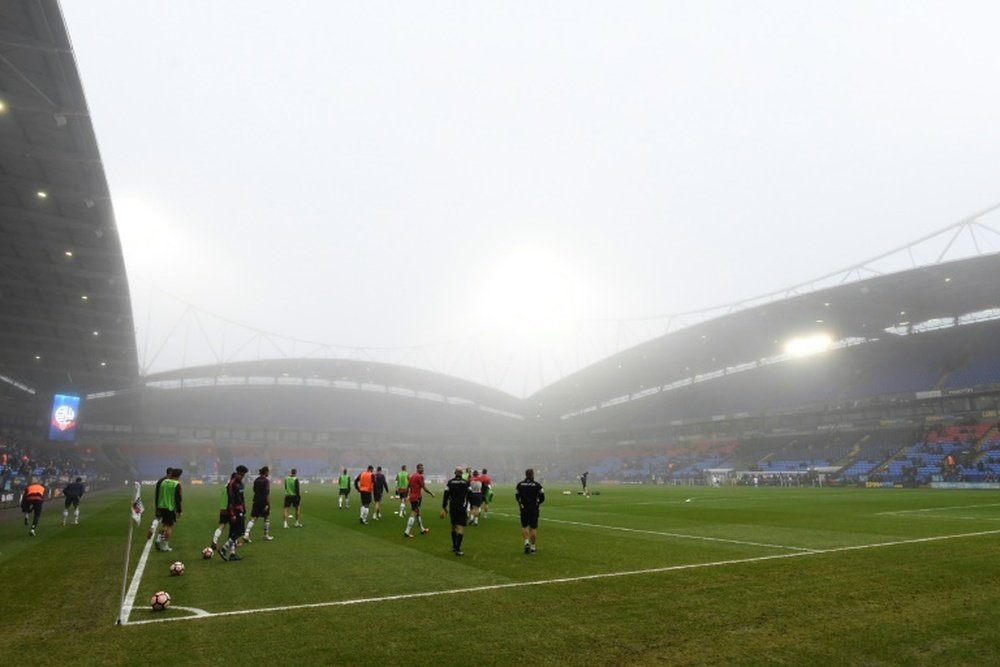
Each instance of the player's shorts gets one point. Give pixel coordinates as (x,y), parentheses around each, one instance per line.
(168,517)
(475,499)
(402,493)
(529,517)
(459,516)
(223,516)
(345,492)
(292,501)
(72,501)
(261,510)
(31,506)
(415,504)
(366,497)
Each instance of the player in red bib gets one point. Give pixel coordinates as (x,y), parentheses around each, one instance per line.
(417,487)
(487,492)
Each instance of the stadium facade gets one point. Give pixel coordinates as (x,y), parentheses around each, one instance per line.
(908,358)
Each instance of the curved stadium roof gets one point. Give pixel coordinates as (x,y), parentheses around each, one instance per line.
(873,308)
(65,313)
(342,373)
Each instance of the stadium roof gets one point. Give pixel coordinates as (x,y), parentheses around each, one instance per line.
(342,373)
(65,314)
(878,307)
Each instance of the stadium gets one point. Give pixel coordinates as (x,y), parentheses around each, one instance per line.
(803,479)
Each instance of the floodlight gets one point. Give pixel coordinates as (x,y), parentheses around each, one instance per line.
(806,345)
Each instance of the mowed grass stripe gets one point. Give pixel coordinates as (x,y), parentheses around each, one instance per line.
(201,614)
(934,600)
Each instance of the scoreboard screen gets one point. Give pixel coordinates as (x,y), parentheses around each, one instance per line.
(62,420)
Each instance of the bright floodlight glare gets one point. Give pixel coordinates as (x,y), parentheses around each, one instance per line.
(806,345)
(531,292)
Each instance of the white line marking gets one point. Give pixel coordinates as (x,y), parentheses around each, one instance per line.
(964,518)
(651,502)
(567,580)
(133,588)
(935,509)
(194,610)
(668,534)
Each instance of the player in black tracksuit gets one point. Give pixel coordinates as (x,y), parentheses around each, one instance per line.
(73,492)
(381,487)
(455,500)
(529,495)
(261,504)
(237,515)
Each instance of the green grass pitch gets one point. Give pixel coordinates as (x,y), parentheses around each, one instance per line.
(635,575)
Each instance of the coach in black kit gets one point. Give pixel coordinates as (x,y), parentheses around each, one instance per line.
(529,494)
(455,500)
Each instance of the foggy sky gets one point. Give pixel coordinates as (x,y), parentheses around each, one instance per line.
(399,175)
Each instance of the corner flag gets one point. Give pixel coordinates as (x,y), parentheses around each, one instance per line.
(137,505)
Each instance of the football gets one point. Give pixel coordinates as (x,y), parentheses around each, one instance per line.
(176,568)
(160,601)
(207,553)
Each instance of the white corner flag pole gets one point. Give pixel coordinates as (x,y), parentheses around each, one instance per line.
(136,511)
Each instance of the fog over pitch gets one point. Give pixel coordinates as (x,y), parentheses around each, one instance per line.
(497,190)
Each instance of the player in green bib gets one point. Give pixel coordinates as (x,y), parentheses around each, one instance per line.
(168,508)
(402,489)
(343,500)
(293,497)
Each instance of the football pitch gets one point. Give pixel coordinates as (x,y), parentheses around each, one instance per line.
(635,575)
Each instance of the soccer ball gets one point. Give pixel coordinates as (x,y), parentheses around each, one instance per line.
(160,601)
(176,568)
(207,553)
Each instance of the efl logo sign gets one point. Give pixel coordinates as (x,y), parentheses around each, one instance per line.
(62,425)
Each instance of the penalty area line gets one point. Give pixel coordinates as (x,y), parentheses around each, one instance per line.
(201,614)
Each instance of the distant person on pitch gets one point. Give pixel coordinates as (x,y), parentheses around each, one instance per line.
(475,496)
(237,514)
(417,487)
(223,514)
(487,492)
(261,504)
(168,506)
(381,487)
(31,504)
(402,488)
(154,525)
(72,493)
(365,484)
(529,495)
(583,481)
(344,499)
(293,497)
(454,501)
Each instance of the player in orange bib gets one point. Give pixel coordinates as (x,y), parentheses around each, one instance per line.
(364,483)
